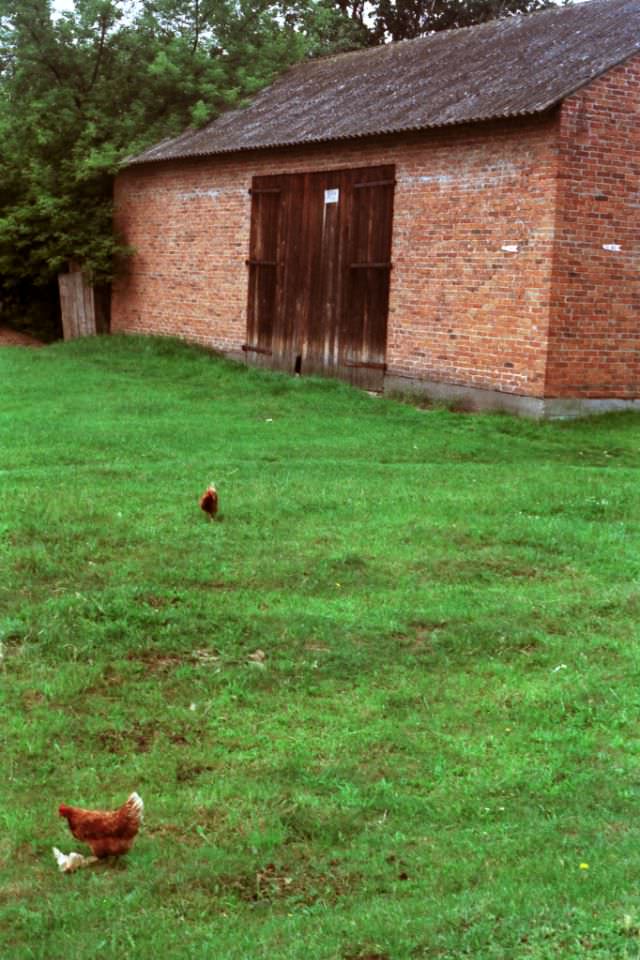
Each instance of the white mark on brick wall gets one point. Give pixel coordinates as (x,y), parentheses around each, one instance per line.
(468,179)
(198,194)
(510,247)
(612,247)
(440,178)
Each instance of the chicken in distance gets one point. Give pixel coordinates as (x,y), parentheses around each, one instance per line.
(209,501)
(109,833)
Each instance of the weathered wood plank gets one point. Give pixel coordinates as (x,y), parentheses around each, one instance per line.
(77,305)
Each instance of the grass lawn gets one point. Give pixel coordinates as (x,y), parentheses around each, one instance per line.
(438,756)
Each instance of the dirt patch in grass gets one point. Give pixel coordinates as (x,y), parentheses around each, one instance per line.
(157,662)
(15,338)
(300,883)
(115,741)
(422,639)
(367,956)
(32,699)
(164,661)
(159,602)
(186,772)
(165,830)
(142,736)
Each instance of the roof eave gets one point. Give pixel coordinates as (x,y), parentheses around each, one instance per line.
(141,160)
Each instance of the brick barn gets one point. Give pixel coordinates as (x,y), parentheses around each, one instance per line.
(457,214)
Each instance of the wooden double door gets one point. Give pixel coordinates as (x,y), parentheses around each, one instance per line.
(319,272)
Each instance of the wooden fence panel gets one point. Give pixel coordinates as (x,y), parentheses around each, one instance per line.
(77,305)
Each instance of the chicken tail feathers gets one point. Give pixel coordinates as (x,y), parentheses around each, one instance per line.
(136,805)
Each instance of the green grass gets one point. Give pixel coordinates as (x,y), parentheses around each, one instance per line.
(446,724)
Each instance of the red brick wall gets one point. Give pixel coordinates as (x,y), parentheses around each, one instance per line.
(188,224)
(473,234)
(463,309)
(594,335)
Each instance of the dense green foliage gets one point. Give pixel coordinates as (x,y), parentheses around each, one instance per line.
(384,20)
(81,91)
(438,756)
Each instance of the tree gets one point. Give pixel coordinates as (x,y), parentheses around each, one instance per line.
(80,92)
(380,21)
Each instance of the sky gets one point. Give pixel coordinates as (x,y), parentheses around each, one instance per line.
(61,6)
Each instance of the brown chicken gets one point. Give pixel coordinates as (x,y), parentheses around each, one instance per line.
(108,832)
(209,501)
